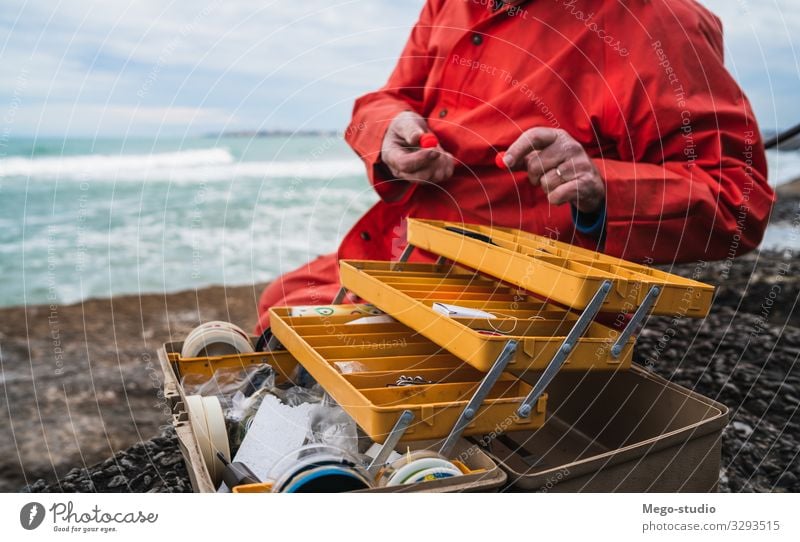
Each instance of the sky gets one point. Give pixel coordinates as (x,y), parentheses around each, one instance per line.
(160,67)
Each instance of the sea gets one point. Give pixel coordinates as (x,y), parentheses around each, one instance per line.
(95,218)
(83,218)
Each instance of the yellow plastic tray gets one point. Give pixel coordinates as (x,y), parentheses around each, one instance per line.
(283,363)
(408,292)
(377,355)
(559,271)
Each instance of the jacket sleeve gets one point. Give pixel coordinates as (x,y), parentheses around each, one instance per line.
(404,91)
(688,179)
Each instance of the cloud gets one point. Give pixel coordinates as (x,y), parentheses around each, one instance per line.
(242,56)
(762,54)
(241,64)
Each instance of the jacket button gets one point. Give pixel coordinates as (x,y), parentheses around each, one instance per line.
(477,39)
(365,236)
(442,113)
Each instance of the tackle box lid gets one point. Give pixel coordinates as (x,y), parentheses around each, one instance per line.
(558,271)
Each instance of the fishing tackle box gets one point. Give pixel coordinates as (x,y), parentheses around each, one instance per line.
(524,320)
(483,473)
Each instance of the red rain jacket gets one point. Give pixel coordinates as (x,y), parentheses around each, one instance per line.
(640,84)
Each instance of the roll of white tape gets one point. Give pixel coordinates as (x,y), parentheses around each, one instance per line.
(197,414)
(203,327)
(218,437)
(218,324)
(216,339)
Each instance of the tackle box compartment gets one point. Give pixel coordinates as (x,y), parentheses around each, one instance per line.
(360,365)
(485,475)
(630,431)
(409,291)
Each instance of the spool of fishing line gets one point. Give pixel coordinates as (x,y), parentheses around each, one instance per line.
(319,468)
(418,466)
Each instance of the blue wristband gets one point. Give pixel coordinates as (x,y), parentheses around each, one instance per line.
(591,224)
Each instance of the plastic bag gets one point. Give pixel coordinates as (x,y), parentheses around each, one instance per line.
(228,381)
(243,408)
(297,395)
(330,424)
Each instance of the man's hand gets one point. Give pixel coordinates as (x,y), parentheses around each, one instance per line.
(402,155)
(561,166)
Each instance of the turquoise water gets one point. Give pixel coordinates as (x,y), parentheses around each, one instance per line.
(94,218)
(88,218)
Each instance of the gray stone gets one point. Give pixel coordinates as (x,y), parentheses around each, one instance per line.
(118,481)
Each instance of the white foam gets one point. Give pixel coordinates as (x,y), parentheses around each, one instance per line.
(784,166)
(189,165)
(218,163)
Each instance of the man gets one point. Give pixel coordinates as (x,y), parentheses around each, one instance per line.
(622,129)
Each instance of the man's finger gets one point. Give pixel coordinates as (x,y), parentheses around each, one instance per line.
(412,161)
(440,170)
(410,132)
(532,140)
(437,171)
(551,180)
(540,162)
(444,169)
(564,193)
(425,175)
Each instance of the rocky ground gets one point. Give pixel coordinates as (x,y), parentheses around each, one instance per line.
(79,383)
(751,366)
(744,355)
(150,466)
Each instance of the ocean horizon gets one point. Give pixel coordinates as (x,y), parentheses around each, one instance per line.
(86,218)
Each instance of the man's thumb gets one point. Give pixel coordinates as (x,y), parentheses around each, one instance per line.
(410,129)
